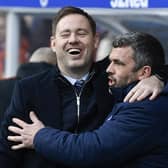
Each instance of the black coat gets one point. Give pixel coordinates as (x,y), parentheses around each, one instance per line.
(6,89)
(41,94)
(7,85)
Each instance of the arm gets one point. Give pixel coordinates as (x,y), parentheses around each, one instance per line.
(9,158)
(126,135)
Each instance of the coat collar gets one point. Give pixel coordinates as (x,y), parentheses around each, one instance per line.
(57,75)
(120,93)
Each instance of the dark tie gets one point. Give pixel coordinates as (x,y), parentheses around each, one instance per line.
(78,85)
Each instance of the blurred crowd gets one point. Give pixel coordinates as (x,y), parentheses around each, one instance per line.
(34,33)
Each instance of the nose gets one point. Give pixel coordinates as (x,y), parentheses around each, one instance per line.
(110,68)
(73,38)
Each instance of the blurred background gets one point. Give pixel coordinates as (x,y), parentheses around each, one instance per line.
(26,25)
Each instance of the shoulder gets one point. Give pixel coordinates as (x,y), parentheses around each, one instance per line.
(165,90)
(8,81)
(43,77)
(103,64)
(7,84)
(31,68)
(146,109)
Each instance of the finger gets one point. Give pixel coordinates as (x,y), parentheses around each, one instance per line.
(135,96)
(154,95)
(15,138)
(19,122)
(19,146)
(129,95)
(143,95)
(33,117)
(15,130)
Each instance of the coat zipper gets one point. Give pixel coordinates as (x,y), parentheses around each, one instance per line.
(78,108)
(78,100)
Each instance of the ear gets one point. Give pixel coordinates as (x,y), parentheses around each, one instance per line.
(52,43)
(144,72)
(97,40)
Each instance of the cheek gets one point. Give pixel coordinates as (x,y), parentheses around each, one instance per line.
(121,75)
(89,42)
(58,44)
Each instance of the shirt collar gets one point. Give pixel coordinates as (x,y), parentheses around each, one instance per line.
(73,80)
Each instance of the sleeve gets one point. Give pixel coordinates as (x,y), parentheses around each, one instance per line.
(122,137)
(162,73)
(9,158)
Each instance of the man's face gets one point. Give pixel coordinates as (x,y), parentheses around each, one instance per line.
(120,71)
(74,44)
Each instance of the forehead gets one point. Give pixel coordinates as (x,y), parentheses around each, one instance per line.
(122,53)
(73,21)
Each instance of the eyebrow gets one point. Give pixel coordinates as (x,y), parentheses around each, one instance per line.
(118,61)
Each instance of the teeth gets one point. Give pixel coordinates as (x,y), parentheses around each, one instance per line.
(74,51)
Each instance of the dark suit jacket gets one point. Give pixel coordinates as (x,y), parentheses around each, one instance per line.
(134,135)
(7,85)
(6,89)
(40,93)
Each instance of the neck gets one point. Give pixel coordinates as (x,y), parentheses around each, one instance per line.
(76,73)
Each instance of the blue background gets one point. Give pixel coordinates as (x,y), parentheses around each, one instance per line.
(78,3)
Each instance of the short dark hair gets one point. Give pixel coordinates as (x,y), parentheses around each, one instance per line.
(72,10)
(147,49)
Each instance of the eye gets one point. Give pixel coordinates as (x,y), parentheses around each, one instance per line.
(82,33)
(65,34)
(118,62)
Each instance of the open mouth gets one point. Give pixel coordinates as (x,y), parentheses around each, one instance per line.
(111,81)
(74,51)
